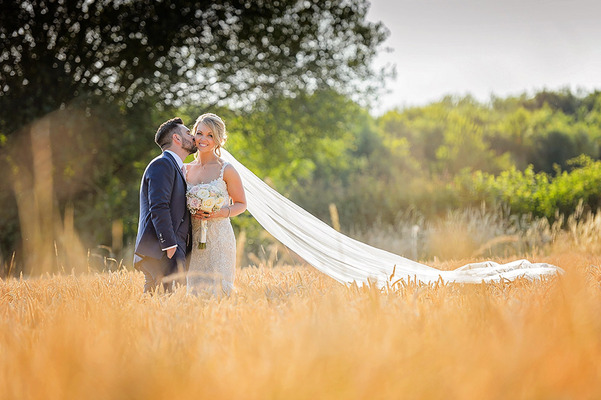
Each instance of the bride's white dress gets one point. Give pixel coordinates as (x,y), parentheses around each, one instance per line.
(212,269)
(348,260)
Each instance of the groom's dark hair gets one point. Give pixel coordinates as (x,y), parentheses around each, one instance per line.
(164,136)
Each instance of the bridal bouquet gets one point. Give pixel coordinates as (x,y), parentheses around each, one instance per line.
(208,198)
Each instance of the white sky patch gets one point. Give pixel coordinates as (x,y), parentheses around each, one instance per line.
(485,47)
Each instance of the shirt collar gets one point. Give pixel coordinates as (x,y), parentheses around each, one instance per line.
(178,160)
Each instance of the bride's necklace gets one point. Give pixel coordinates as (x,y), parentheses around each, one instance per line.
(203,166)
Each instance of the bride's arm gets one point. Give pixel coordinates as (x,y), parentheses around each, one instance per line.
(236,192)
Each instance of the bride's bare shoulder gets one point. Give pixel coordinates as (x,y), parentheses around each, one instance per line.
(229,171)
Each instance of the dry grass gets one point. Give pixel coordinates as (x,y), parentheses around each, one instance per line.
(292,333)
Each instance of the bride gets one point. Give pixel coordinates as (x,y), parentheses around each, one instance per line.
(212,267)
(341,257)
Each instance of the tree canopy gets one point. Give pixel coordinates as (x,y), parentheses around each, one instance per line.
(54,51)
(105,73)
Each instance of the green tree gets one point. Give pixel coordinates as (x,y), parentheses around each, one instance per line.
(55,51)
(109,72)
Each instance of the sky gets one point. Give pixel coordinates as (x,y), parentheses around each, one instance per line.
(486,47)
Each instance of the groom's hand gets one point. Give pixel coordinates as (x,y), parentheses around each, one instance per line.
(171,252)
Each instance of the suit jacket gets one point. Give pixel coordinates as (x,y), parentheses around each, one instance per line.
(164,218)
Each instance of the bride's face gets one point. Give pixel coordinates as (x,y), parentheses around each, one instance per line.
(204,138)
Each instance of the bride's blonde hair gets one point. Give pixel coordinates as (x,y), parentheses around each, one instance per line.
(217,125)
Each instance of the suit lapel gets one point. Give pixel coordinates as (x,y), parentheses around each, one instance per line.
(170,157)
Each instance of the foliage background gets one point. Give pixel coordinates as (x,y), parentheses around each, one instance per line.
(85,84)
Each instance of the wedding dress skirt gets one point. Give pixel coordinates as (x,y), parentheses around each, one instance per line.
(348,260)
(212,268)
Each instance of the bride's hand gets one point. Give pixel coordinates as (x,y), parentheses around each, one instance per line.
(202,215)
(214,214)
(221,213)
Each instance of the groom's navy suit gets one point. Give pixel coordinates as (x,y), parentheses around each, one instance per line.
(164,220)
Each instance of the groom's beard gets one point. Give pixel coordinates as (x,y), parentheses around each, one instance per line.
(190,147)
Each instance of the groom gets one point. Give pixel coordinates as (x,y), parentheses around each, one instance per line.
(164,225)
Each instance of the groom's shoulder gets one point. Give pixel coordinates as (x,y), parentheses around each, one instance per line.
(161,159)
(159,162)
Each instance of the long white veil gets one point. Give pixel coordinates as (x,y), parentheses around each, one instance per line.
(348,260)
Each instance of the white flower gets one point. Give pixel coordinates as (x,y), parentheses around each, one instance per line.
(193,203)
(203,193)
(208,204)
(220,201)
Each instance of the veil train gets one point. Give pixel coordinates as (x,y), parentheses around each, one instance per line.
(348,260)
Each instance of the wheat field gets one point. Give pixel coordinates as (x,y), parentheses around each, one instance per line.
(293,333)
